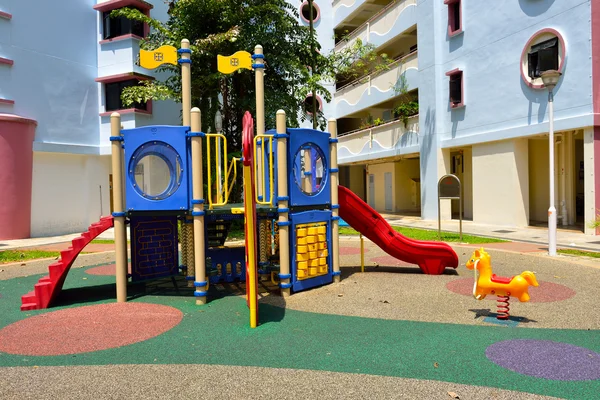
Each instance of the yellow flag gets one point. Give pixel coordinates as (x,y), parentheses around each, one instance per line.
(162,55)
(239,59)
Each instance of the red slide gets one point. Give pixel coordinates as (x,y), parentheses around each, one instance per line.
(431,257)
(49,286)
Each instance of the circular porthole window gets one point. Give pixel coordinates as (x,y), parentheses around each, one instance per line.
(544,51)
(310,171)
(308,105)
(155,170)
(305,12)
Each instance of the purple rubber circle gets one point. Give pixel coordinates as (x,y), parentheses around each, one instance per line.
(546,359)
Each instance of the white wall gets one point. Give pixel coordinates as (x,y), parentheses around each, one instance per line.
(501,183)
(379,171)
(66,192)
(405,171)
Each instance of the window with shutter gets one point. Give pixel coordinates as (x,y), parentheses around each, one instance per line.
(456,88)
(542,57)
(118,26)
(113,96)
(454,17)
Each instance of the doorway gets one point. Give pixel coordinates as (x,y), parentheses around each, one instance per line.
(460,165)
(371,197)
(578,178)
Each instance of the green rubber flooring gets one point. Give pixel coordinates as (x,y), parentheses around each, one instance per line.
(218,333)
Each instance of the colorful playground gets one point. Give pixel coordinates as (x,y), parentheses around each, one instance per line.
(176,310)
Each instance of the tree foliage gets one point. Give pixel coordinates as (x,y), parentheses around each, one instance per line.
(223,27)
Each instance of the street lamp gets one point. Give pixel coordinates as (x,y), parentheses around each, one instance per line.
(550,79)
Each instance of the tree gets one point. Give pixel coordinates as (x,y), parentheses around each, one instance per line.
(224,27)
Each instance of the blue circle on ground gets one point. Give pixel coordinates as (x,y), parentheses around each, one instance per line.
(546,359)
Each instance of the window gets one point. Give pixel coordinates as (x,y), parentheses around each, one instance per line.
(113,96)
(308,105)
(544,50)
(542,57)
(119,26)
(305,12)
(454,17)
(456,88)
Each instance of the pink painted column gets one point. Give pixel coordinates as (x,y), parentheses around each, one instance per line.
(16,165)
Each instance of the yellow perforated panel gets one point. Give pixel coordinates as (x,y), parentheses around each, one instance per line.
(311,250)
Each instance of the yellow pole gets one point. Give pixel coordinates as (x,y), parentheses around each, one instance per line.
(186,82)
(198,209)
(335,224)
(250,218)
(362,254)
(259,82)
(282,193)
(118,207)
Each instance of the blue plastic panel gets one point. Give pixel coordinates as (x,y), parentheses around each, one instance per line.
(168,143)
(303,218)
(220,257)
(153,247)
(308,145)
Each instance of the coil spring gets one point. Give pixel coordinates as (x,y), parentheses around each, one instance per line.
(503,307)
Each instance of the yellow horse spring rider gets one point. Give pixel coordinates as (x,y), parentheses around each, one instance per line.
(488,283)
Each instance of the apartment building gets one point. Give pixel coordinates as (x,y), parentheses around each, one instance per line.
(482,109)
(62,68)
(462,96)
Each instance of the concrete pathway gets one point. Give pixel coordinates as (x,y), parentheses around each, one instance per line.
(566,238)
(534,235)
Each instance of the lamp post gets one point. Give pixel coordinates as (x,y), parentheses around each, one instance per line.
(550,79)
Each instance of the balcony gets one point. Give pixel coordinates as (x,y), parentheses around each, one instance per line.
(385,25)
(377,88)
(389,140)
(342,9)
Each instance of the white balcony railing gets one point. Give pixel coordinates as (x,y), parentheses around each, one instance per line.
(381,86)
(379,24)
(387,140)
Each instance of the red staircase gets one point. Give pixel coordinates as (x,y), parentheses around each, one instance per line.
(50,285)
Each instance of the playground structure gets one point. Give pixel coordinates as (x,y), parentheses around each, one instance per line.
(488,283)
(292,205)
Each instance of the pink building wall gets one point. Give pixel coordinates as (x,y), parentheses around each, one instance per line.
(16,164)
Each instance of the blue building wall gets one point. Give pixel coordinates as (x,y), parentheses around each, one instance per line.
(52,79)
(498,103)
(489,51)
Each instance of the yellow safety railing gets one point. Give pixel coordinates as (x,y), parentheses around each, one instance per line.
(232,167)
(222,188)
(260,167)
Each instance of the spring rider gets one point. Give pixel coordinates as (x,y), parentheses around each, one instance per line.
(488,283)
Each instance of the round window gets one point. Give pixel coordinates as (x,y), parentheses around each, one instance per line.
(544,51)
(305,12)
(155,170)
(310,170)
